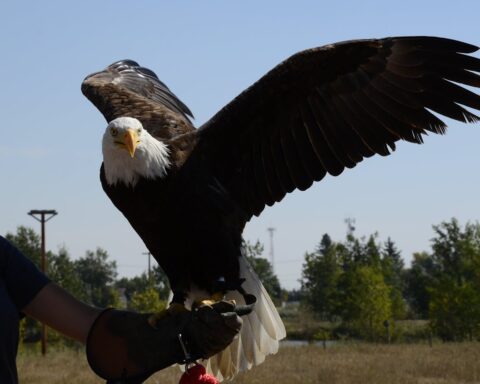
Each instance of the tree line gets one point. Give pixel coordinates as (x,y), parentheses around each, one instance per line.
(363,285)
(359,284)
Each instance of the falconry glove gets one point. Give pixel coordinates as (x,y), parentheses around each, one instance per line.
(122,347)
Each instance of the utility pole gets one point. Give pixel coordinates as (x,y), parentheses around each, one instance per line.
(43,215)
(149,264)
(272,256)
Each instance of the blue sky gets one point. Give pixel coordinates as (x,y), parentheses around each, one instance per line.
(207,52)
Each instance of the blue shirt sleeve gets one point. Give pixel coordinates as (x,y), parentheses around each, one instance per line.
(23,280)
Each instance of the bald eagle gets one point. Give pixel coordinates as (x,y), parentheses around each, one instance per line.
(189,192)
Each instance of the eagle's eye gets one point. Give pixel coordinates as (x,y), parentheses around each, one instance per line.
(139,130)
(114,131)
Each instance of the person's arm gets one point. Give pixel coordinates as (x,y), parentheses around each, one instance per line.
(33,294)
(59,310)
(117,341)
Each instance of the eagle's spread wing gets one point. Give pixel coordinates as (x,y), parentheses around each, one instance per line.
(126,89)
(327,108)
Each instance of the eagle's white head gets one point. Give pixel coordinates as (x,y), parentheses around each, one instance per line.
(131,153)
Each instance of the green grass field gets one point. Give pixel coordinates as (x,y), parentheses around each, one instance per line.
(339,364)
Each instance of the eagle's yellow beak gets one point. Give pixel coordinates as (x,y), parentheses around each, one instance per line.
(131,141)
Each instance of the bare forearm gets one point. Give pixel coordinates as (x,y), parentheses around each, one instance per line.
(59,310)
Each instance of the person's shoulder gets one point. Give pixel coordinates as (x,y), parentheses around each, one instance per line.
(4,243)
(5,251)
(6,246)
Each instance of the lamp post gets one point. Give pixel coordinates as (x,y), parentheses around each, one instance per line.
(43,215)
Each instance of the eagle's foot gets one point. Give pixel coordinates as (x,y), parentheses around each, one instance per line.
(216,297)
(173,308)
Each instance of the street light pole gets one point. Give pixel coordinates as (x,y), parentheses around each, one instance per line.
(43,215)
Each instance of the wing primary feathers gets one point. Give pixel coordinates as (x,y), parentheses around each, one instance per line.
(374,109)
(431,43)
(388,116)
(289,158)
(251,176)
(368,141)
(304,147)
(381,134)
(406,84)
(385,87)
(277,163)
(341,140)
(456,60)
(456,93)
(271,177)
(410,110)
(449,108)
(261,178)
(318,116)
(462,76)
(320,147)
(327,108)
(295,166)
(399,117)
(281,161)
(373,134)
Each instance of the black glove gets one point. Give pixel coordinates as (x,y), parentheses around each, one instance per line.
(122,346)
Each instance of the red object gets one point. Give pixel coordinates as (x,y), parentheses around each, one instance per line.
(197,375)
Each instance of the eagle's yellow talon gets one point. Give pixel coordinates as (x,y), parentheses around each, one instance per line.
(206,302)
(216,297)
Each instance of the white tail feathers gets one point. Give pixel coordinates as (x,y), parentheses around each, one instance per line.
(261,330)
(260,335)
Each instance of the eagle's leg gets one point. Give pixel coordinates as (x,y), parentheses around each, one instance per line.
(176,305)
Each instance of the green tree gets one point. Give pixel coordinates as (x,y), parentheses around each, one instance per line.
(296,295)
(393,272)
(320,274)
(359,251)
(133,285)
(160,281)
(364,301)
(98,275)
(138,290)
(454,289)
(28,242)
(455,310)
(358,281)
(393,265)
(147,301)
(372,250)
(418,279)
(455,251)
